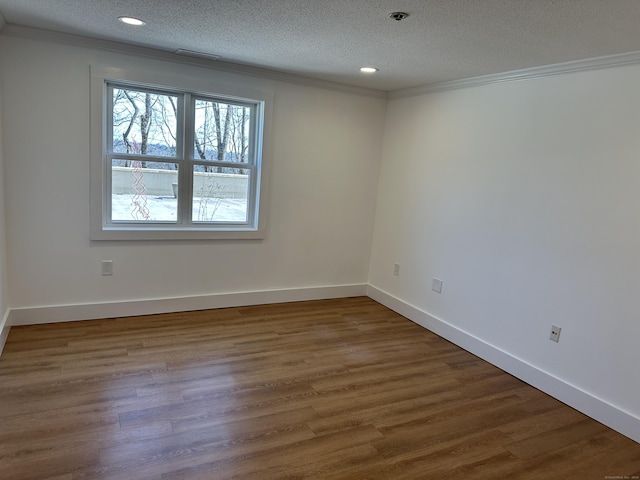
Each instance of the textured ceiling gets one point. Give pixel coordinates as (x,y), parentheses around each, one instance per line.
(330,39)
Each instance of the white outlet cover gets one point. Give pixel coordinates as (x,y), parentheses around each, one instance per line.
(555,333)
(436,285)
(107,267)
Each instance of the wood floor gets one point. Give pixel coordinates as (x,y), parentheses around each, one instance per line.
(337,389)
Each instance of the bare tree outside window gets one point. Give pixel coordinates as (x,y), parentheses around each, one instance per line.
(144,120)
(221,133)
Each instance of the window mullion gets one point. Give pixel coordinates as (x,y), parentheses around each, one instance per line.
(185,183)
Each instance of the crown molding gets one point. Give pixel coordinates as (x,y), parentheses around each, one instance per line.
(20,31)
(608,61)
(631,58)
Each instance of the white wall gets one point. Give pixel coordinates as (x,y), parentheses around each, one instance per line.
(4,327)
(524,198)
(325,155)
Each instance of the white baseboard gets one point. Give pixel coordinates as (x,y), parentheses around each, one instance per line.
(66,313)
(585,402)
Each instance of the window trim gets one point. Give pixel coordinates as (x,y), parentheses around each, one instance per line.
(196,86)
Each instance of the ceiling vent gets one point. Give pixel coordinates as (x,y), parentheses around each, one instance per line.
(193,54)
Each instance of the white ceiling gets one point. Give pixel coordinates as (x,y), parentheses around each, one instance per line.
(330,39)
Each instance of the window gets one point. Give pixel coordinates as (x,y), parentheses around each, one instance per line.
(175,163)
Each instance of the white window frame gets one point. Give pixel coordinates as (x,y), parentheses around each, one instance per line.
(192,87)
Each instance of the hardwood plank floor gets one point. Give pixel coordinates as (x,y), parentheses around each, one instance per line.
(335,389)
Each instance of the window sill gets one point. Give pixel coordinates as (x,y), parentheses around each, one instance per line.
(126,234)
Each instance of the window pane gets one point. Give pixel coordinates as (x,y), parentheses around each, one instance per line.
(144,123)
(220,197)
(143,191)
(221,131)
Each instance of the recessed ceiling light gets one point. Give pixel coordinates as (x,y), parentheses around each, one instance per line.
(132,21)
(368,70)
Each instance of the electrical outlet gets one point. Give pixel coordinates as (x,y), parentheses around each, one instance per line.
(107,267)
(555,333)
(436,285)
(396,269)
